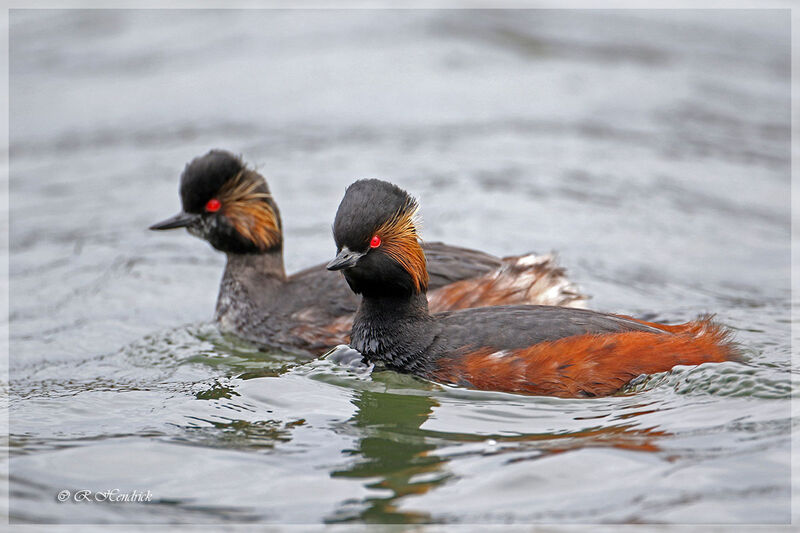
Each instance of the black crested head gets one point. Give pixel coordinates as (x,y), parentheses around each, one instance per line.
(375,230)
(366,206)
(227,204)
(204,176)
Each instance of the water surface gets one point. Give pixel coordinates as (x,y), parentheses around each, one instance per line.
(651,149)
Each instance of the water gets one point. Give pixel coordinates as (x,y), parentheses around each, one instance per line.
(650,148)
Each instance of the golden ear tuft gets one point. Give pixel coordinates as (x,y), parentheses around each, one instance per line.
(243,188)
(401,242)
(245,207)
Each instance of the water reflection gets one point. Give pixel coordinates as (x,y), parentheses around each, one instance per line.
(396,457)
(391,453)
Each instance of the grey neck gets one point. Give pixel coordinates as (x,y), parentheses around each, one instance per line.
(247,287)
(269,264)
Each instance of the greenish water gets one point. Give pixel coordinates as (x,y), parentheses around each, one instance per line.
(650,148)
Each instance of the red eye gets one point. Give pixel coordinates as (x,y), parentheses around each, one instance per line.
(213,205)
(375,242)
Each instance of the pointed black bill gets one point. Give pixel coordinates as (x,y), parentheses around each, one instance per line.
(181,220)
(345,259)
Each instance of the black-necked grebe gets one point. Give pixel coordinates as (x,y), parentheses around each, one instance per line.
(534,349)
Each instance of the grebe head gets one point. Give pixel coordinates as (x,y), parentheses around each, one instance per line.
(377,243)
(227,204)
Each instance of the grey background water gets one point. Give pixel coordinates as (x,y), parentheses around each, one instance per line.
(650,148)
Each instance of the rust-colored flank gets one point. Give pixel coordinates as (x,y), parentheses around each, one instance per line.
(588,365)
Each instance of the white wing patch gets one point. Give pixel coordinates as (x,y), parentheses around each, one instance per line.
(541,280)
(499,355)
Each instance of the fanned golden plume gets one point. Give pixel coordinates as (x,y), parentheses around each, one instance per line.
(400,241)
(245,207)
